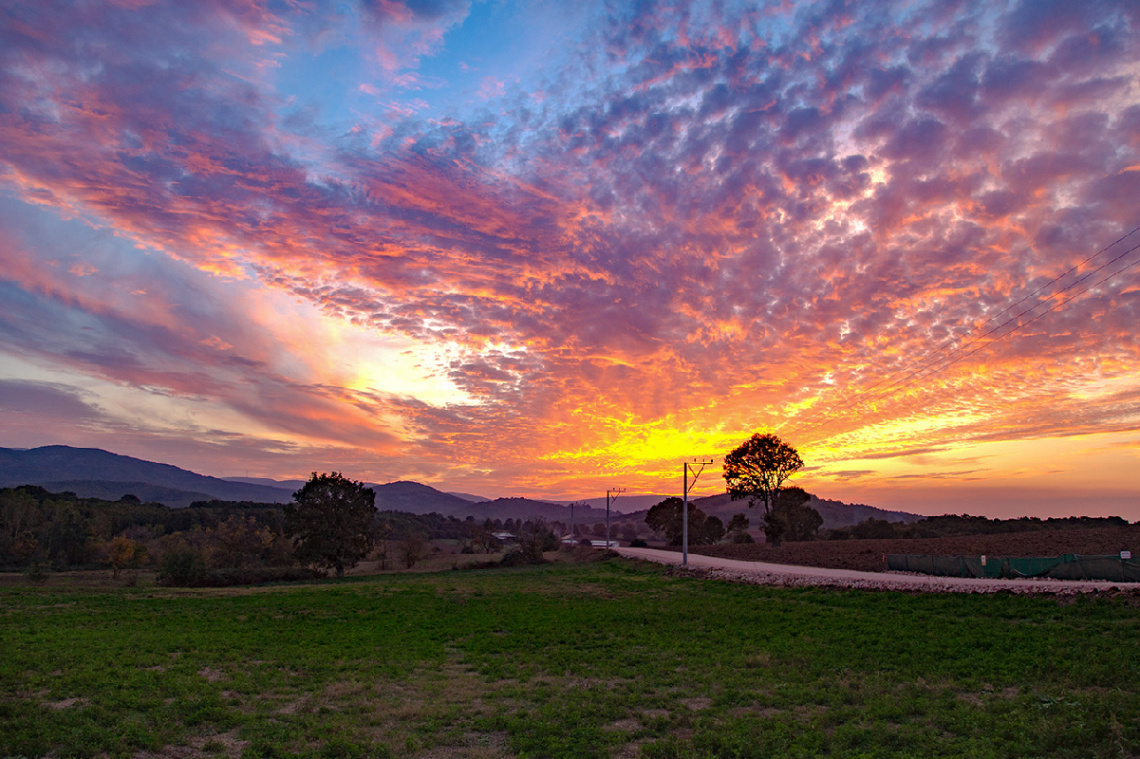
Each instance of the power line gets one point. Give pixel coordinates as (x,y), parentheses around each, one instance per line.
(1035,318)
(1008,308)
(897,381)
(905,381)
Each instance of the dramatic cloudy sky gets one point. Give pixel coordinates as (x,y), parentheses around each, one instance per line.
(546,248)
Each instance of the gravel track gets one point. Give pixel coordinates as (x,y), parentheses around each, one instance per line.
(763,573)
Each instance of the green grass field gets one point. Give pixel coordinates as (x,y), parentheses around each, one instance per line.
(609,659)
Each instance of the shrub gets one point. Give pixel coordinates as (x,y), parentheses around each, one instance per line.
(520,557)
(36,572)
(638,543)
(181,566)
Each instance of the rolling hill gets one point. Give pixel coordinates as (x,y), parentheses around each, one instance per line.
(95,473)
(834,513)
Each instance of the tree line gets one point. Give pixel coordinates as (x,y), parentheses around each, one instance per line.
(224,542)
(950,525)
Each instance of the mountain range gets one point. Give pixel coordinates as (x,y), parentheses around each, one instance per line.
(95,473)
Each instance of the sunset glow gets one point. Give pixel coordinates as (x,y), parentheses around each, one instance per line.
(510,248)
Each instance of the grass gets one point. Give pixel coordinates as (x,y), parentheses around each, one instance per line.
(591,660)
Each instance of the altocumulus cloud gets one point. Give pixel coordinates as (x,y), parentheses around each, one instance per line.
(695,220)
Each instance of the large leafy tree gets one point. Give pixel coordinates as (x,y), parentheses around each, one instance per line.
(792,518)
(666,518)
(331,522)
(757,469)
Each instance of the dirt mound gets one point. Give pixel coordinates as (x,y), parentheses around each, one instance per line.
(867,555)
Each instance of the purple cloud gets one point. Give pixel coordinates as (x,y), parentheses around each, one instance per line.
(746,202)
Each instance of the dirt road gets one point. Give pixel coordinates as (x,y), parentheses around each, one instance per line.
(789,575)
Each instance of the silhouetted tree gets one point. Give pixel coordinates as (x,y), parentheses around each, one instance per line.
(535,538)
(666,519)
(712,531)
(484,540)
(738,528)
(382,534)
(756,470)
(793,519)
(413,548)
(873,528)
(330,521)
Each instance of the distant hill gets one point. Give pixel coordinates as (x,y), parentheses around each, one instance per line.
(95,473)
(291,485)
(525,508)
(624,503)
(469,497)
(415,498)
(840,514)
(113,491)
(834,513)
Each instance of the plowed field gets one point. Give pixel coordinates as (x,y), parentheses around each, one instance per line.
(867,555)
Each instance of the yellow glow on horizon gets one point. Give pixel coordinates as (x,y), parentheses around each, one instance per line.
(1093,463)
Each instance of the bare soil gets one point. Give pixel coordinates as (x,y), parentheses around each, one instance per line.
(869,555)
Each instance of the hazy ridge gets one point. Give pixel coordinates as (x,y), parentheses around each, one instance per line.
(96,473)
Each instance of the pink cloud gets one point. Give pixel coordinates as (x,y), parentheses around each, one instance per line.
(687,213)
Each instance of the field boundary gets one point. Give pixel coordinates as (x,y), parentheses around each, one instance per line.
(764,573)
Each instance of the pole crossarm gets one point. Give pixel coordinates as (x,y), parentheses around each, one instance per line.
(615,492)
(686,485)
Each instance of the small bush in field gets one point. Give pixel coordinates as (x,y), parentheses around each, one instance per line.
(181,566)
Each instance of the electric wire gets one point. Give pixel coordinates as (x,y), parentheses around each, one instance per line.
(903,382)
(947,360)
(1008,308)
(907,375)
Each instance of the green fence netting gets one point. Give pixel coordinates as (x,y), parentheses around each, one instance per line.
(1065,567)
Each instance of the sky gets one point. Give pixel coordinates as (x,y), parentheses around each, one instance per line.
(545,249)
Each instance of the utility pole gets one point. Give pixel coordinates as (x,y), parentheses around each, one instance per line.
(685,505)
(573,537)
(615,492)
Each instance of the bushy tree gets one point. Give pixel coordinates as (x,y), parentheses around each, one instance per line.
(382,531)
(245,542)
(125,553)
(712,531)
(666,519)
(793,519)
(413,548)
(757,470)
(482,539)
(738,528)
(330,521)
(535,538)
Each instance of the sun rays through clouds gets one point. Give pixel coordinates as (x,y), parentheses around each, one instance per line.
(450,241)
